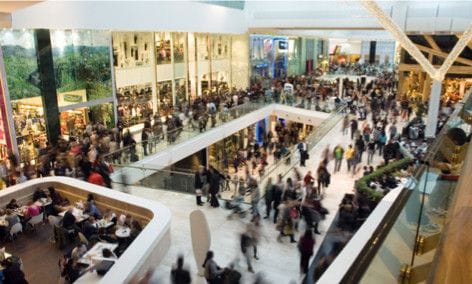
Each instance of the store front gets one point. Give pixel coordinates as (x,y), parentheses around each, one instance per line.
(76,91)
(153,72)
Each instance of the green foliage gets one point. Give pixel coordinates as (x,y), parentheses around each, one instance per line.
(84,67)
(103,113)
(362,183)
(19,65)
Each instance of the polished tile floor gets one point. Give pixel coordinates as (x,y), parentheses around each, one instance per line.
(278,261)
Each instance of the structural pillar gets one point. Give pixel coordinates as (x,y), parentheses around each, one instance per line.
(341,87)
(47,84)
(433,109)
(426,88)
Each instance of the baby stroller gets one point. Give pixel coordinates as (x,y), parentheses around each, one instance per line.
(235,207)
(235,204)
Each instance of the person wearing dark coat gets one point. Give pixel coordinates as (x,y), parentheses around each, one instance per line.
(214,180)
(201,179)
(389,151)
(277,197)
(179,275)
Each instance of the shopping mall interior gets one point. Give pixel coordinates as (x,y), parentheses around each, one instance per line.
(235,141)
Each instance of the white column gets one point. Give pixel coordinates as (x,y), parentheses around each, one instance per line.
(340,87)
(433,109)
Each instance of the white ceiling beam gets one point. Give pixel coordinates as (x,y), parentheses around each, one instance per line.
(443,54)
(5,20)
(401,37)
(432,43)
(456,51)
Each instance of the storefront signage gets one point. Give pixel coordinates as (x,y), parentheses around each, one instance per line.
(72,97)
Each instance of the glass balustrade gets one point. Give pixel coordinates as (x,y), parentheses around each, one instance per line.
(405,242)
(133,153)
(182,180)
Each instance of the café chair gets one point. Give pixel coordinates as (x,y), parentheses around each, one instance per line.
(53,221)
(83,239)
(36,220)
(15,229)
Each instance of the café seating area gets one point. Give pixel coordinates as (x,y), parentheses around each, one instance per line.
(95,234)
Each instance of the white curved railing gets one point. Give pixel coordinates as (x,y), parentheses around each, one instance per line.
(147,250)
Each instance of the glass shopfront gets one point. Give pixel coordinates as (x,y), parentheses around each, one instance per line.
(154,72)
(132,50)
(134,104)
(163,48)
(19,57)
(133,57)
(82,62)
(268,56)
(164,90)
(83,76)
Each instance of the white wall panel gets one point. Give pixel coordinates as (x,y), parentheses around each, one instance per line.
(179,70)
(188,16)
(133,76)
(240,61)
(220,65)
(164,72)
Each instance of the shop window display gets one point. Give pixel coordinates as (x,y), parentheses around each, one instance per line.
(165,97)
(220,47)
(102,113)
(73,122)
(19,55)
(163,48)
(132,49)
(219,82)
(203,50)
(261,56)
(179,47)
(82,62)
(134,104)
(180,92)
(30,127)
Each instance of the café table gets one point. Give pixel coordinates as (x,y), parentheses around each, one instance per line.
(79,214)
(123,232)
(104,224)
(43,202)
(95,253)
(6,255)
(3,222)
(20,211)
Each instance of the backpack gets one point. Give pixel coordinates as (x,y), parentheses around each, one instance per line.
(294,214)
